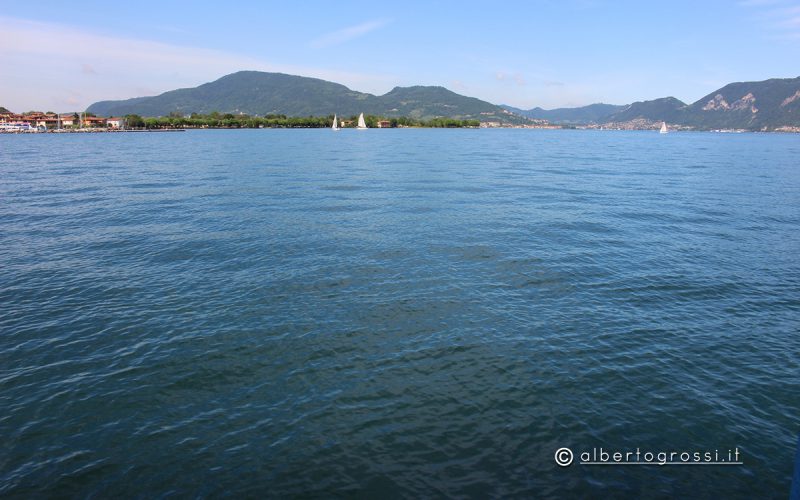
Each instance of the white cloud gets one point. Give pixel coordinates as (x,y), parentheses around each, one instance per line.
(347,34)
(517,78)
(62,68)
(760,3)
(780,17)
(458,86)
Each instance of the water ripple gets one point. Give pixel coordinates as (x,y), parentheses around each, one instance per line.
(406,313)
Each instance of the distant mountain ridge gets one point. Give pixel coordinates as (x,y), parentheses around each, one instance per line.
(667,109)
(581,115)
(260,93)
(749,105)
(763,105)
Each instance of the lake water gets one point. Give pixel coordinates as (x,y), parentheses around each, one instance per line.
(397,313)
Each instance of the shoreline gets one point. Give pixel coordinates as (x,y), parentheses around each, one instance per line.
(584,129)
(87,131)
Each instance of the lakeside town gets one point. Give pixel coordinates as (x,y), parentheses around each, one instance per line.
(50,122)
(37,121)
(41,122)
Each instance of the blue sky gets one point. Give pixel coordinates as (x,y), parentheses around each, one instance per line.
(63,56)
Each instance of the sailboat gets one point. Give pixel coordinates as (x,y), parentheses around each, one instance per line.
(335,125)
(663,128)
(361,124)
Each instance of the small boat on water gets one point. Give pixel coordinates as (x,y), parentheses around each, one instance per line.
(362,125)
(663,128)
(335,125)
(18,127)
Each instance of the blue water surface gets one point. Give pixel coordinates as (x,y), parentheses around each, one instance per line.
(397,313)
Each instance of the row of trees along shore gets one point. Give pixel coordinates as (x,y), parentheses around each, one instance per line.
(228,120)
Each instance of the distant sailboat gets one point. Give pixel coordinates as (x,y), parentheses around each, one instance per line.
(663,128)
(335,125)
(361,123)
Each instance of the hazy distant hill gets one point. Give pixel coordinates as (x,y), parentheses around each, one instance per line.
(259,93)
(4,110)
(582,115)
(666,109)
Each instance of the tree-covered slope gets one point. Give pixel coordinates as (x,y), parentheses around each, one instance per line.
(251,92)
(259,93)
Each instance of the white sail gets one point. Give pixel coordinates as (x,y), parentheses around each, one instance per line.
(361,123)
(335,125)
(663,128)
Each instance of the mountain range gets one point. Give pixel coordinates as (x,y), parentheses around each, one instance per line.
(764,105)
(581,115)
(260,93)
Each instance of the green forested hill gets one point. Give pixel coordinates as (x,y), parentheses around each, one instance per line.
(259,93)
(250,92)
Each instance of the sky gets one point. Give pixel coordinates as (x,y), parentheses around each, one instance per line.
(63,56)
